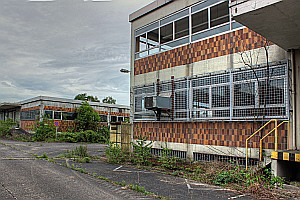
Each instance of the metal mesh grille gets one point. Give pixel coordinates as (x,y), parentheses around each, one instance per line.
(223,158)
(173,153)
(239,94)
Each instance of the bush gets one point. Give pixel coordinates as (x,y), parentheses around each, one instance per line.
(142,151)
(115,154)
(87,118)
(167,160)
(85,136)
(6,126)
(44,129)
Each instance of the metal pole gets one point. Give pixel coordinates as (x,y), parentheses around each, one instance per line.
(276,135)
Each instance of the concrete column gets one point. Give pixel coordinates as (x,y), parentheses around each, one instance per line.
(296,112)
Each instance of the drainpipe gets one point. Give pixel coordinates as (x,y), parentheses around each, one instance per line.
(294,99)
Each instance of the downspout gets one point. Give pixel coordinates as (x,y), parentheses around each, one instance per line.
(294,99)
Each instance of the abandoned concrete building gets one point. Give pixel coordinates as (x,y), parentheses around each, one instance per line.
(62,111)
(224,82)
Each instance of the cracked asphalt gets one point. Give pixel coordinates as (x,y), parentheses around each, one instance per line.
(23,177)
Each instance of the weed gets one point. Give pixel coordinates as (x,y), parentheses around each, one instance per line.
(142,151)
(44,156)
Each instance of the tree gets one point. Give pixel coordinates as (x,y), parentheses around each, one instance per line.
(87,118)
(84,97)
(109,100)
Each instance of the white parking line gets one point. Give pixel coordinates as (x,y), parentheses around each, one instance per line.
(239,196)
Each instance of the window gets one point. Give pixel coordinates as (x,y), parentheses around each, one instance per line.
(166,33)
(103,118)
(57,115)
(113,118)
(68,116)
(153,38)
(49,114)
(219,14)
(182,27)
(30,115)
(200,21)
(141,43)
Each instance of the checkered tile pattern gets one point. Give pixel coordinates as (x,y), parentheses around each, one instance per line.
(231,134)
(233,42)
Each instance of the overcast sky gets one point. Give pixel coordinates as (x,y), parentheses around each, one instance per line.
(64,48)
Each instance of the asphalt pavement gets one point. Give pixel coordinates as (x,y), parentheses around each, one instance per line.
(25,178)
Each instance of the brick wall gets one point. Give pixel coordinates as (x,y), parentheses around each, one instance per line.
(233,42)
(231,134)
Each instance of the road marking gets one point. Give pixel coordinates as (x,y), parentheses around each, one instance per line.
(118,170)
(239,196)
(188,185)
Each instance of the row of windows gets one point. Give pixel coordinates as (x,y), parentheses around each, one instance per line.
(229,99)
(175,30)
(58,115)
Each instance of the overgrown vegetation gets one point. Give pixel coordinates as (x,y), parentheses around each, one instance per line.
(6,126)
(44,129)
(257,182)
(87,118)
(79,154)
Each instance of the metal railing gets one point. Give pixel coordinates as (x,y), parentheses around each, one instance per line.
(261,140)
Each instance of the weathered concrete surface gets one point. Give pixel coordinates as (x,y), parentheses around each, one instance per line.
(23,177)
(164,185)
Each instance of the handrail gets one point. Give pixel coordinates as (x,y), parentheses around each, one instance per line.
(276,139)
(260,142)
(247,155)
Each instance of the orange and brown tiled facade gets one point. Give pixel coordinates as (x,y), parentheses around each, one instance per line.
(229,134)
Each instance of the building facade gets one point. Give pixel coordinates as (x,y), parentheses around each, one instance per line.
(224,80)
(62,111)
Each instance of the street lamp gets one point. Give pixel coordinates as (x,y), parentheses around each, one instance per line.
(124,70)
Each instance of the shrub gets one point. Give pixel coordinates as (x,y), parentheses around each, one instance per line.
(87,118)
(115,154)
(142,151)
(167,160)
(44,129)
(6,126)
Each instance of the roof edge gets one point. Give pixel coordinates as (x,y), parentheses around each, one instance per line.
(147,9)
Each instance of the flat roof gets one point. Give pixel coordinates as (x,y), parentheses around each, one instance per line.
(8,106)
(147,9)
(63,100)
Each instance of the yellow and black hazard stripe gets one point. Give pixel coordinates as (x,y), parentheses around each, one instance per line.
(288,156)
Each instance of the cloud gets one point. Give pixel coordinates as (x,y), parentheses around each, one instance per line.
(64,48)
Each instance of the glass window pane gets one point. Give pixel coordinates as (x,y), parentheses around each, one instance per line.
(57,115)
(182,27)
(200,21)
(219,14)
(141,43)
(175,43)
(68,116)
(48,114)
(153,39)
(166,33)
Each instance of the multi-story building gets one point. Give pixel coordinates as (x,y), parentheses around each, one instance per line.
(224,80)
(62,111)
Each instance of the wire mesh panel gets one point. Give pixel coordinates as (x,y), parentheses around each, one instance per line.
(239,94)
